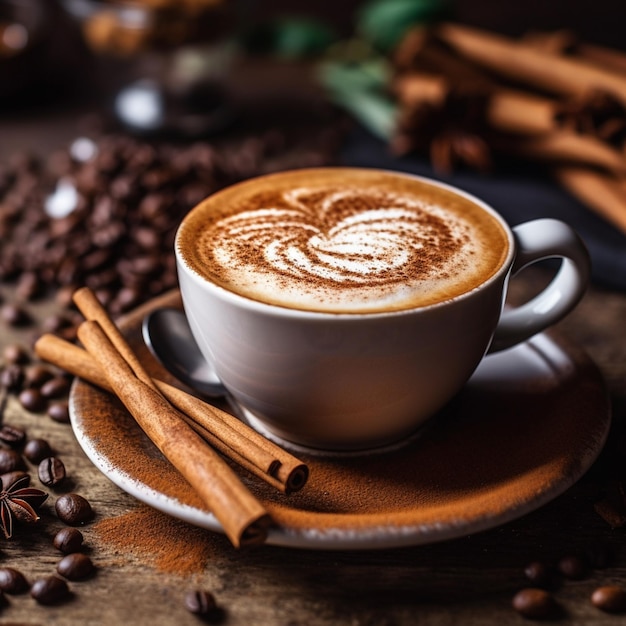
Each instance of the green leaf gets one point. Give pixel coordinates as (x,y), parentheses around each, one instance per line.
(358,88)
(384,22)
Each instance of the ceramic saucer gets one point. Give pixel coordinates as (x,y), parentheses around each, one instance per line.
(527,426)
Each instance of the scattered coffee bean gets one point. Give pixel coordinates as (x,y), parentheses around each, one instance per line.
(49,590)
(14,315)
(51,471)
(12,377)
(59,412)
(12,436)
(32,400)
(200,602)
(10,460)
(535,603)
(610,598)
(68,540)
(573,567)
(12,581)
(11,477)
(73,509)
(36,450)
(36,376)
(538,574)
(29,286)
(15,353)
(55,387)
(75,566)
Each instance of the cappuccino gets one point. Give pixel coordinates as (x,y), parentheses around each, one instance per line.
(343,240)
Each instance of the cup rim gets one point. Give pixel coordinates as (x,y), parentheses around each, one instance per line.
(285,311)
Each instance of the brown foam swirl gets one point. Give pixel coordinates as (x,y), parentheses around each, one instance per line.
(335,238)
(342,241)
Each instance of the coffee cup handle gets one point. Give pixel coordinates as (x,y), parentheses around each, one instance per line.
(535,241)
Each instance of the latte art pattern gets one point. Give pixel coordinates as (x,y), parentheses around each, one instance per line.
(337,239)
(342,240)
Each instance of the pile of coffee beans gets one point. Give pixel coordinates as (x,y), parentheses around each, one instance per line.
(103,213)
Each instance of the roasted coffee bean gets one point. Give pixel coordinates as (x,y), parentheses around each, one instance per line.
(55,323)
(32,400)
(200,602)
(15,353)
(36,450)
(573,567)
(10,461)
(68,540)
(59,412)
(12,581)
(538,574)
(37,375)
(12,377)
(51,471)
(12,436)
(11,477)
(535,603)
(49,590)
(75,566)
(55,387)
(610,598)
(73,509)
(29,286)
(14,315)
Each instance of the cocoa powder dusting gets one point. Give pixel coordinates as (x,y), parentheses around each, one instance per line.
(167,544)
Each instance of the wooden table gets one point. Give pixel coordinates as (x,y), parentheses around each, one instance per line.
(467,581)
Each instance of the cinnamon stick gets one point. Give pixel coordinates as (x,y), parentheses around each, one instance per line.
(603,193)
(566,147)
(223,431)
(524,63)
(507,110)
(242,516)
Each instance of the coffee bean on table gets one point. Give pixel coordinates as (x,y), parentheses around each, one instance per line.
(200,602)
(36,450)
(68,540)
(12,436)
(12,377)
(32,400)
(73,509)
(75,566)
(573,567)
(14,353)
(538,573)
(12,581)
(59,412)
(51,471)
(55,387)
(10,460)
(610,598)
(36,376)
(49,590)
(534,603)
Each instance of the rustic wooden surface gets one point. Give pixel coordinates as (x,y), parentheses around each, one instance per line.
(468,581)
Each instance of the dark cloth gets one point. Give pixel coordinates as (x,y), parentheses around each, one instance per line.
(519,192)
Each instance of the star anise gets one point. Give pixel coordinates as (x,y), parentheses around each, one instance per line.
(599,113)
(19,502)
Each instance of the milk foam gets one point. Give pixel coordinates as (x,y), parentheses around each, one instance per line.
(353,248)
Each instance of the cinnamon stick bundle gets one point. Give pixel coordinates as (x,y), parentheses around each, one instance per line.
(521,62)
(242,516)
(223,431)
(604,193)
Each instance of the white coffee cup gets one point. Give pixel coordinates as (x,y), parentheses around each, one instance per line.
(353,380)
